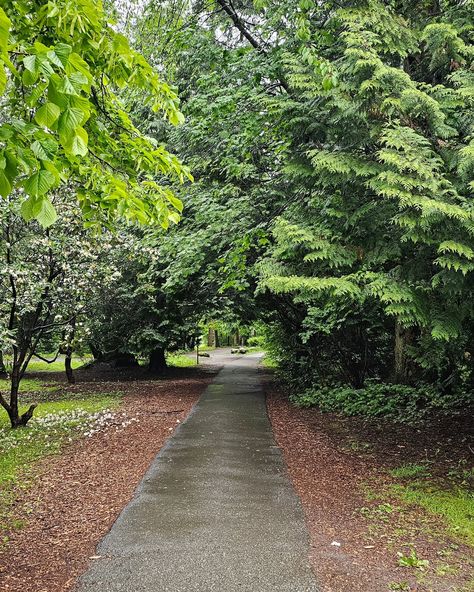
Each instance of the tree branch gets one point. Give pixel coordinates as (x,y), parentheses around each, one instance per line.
(240,25)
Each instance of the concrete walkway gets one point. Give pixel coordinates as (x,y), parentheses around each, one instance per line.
(216,511)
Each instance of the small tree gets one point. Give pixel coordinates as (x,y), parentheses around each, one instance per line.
(47,279)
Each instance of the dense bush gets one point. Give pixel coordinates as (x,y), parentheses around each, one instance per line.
(395,401)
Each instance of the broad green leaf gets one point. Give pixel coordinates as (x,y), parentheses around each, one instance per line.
(11,165)
(45,67)
(39,151)
(3,78)
(174,217)
(68,87)
(49,166)
(78,144)
(44,148)
(36,93)
(47,114)
(70,119)
(177,203)
(30,208)
(5,185)
(26,159)
(78,80)
(55,95)
(55,59)
(5,132)
(63,51)
(39,183)
(4,31)
(31,63)
(176,117)
(47,214)
(79,65)
(29,78)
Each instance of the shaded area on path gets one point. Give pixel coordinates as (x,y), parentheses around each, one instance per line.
(216,510)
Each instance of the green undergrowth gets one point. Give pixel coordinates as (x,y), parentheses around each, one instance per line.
(454,505)
(268,361)
(444,526)
(410,471)
(398,402)
(53,425)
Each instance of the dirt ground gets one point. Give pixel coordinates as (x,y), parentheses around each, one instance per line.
(80,493)
(339,467)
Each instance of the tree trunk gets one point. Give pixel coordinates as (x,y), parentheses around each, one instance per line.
(212,338)
(16,420)
(3,370)
(157,361)
(68,366)
(403,338)
(68,353)
(97,354)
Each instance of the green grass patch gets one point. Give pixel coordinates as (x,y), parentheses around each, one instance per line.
(29,385)
(410,471)
(53,425)
(180,360)
(206,348)
(455,505)
(254,349)
(37,365)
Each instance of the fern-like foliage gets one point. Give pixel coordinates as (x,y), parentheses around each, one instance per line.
(379,127)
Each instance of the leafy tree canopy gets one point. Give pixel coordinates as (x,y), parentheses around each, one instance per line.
(64,72)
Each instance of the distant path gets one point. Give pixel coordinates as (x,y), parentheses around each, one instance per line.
(216,511)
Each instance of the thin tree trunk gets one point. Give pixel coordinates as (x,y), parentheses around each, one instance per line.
(68,353)
(403,338)
(3,370)
(68,366)
(16,420)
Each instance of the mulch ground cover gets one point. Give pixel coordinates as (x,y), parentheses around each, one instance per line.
(78,494)
(340,469)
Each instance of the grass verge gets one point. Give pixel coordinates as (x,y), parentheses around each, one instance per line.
(55,424)
(454,505)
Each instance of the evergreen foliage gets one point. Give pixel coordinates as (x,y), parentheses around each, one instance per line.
(332,151)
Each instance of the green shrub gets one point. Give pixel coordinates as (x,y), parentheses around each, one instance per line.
(376,399)
(256,341)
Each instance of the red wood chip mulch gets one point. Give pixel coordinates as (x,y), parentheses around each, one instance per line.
(79,494)
(354,544)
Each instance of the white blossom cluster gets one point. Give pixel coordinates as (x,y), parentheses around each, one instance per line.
(53,428)
(80,263)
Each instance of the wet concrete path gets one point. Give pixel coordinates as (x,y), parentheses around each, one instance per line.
(216,511)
